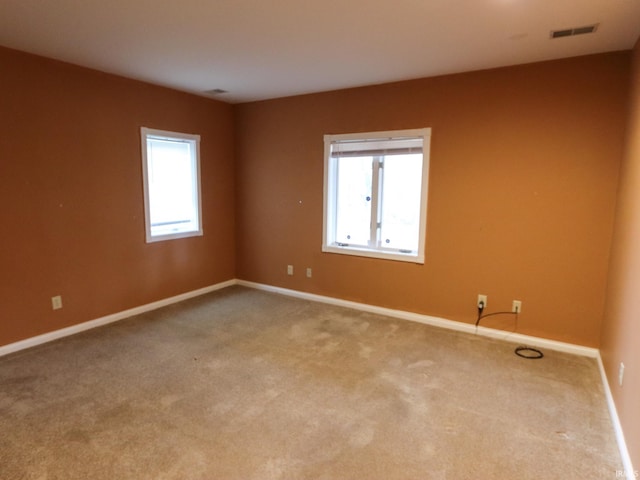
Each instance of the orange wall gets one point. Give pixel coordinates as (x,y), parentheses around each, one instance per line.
(524,168)
(523,178)
(524,172)
(72,217)
(621,326)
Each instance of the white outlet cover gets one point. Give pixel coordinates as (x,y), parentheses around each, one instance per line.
(516,306)
(482,298)
(621,373)
(56,302)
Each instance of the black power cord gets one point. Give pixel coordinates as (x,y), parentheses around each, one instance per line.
(522,351)
(480,316)
(528,352)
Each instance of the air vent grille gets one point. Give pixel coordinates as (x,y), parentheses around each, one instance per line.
(570,32)
(215,91)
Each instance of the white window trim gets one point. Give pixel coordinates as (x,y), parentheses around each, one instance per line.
(150,132)
(328,228)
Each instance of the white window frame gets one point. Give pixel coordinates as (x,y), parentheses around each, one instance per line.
(194,140)
(329,243)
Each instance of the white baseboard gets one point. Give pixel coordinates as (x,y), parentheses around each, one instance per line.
(629,472)
(65,332)
(434,321)
(414,317)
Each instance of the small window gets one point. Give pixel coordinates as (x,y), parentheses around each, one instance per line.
(375,194)
(171,169)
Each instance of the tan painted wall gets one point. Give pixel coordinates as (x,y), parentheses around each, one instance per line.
(524,170)
(523,183)
(72,219)
(621,326)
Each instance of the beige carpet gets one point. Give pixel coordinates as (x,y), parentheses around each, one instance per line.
(242,384)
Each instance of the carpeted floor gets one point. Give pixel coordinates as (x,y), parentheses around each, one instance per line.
(242,384)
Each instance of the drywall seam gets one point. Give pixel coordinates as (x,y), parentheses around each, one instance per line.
(629,472)
(98,322)
(434,321)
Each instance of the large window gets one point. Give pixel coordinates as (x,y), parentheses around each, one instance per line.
(375,194)
(171,167)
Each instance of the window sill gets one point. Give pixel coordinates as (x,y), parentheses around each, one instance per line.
(173,236)
(371,253)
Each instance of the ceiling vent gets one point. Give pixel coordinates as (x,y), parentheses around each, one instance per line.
(215,91)
(570,32)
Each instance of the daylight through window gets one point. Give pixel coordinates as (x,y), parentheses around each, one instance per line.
(171,167)
(375,198)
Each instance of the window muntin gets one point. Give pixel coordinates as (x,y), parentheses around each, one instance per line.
(171,168)
(376,194)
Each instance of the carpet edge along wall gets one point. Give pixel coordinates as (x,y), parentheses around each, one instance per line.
(535,148)
(71,186)
(522,190)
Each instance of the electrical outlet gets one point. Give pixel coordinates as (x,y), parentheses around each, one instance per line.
(620,373)
(516,306)
(56,302)
(482,299)
(289,269)
(308,272)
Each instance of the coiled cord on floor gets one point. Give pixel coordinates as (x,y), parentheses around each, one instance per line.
(522,351)
(529,352)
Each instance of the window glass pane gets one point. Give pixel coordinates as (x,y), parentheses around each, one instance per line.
(375,184)
(172,186)
(353,200)
(401,189)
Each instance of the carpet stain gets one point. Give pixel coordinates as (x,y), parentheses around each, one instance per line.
(241,384)
(216,364)
(271,393)
(416,403)
(297,332)
(427,450)
(252,412)
(221,408)
(14,381)
(421,364)
(365,351)
(362,436)
(275,468)
(395,362)
(393,328)
(120,414)
(167,401)
(330,347)
(79,436)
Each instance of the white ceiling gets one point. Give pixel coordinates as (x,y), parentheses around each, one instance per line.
(259,49)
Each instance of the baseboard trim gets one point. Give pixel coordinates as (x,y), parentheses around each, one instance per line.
(98,322)
(433,321)
(401,314)
(629,472)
